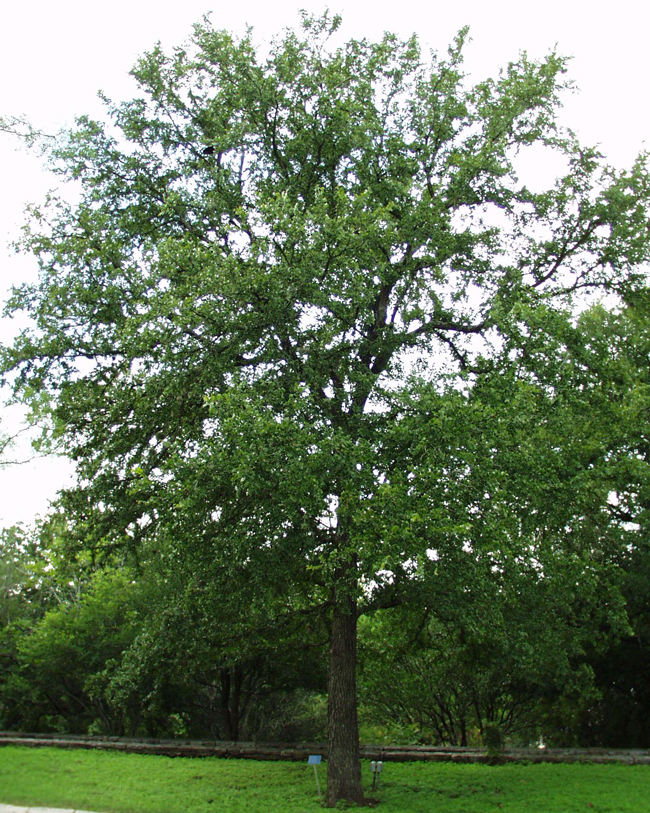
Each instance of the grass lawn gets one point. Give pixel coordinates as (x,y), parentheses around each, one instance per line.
(106,781)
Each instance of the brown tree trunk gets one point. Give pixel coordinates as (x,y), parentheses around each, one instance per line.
(230,697)
(344,766)
(235,702)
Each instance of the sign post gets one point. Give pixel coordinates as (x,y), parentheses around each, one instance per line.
(314,759)
(376,768)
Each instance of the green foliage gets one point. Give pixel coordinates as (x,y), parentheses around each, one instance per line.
(13,575)
(64,661)
(185,664)
(242,317)
(494,741)
(116,651)
(519,586)
(138,653)
(609,399)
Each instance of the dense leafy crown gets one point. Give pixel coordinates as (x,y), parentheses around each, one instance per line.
(263,250)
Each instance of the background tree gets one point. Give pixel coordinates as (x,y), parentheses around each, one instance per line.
(498,658)
(261,249)
(149,651)
(187,674)
(65,660)
(35,579)
(523,582)
(608,373)
(196,660)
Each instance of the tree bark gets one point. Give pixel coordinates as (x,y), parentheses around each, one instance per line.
(344,766)
(230,697)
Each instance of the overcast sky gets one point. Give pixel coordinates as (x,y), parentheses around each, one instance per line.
(55,56)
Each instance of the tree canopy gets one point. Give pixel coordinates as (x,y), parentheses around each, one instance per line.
(274,269)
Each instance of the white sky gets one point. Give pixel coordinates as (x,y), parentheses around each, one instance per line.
(56,54)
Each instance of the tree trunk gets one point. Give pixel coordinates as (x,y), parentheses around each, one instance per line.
(230,702)
(344,766)
(235,703)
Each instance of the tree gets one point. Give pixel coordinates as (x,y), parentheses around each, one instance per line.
(34,575)
(267,256)
(16,569)
(608,374)
(497,655)
(187,666)
(149,652)
(63,662)
(523,580)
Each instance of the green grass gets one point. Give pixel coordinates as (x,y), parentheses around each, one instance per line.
(110,782)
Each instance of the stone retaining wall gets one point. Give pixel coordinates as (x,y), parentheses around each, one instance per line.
(300,751)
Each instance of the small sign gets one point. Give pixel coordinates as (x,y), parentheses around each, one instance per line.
(314,759)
